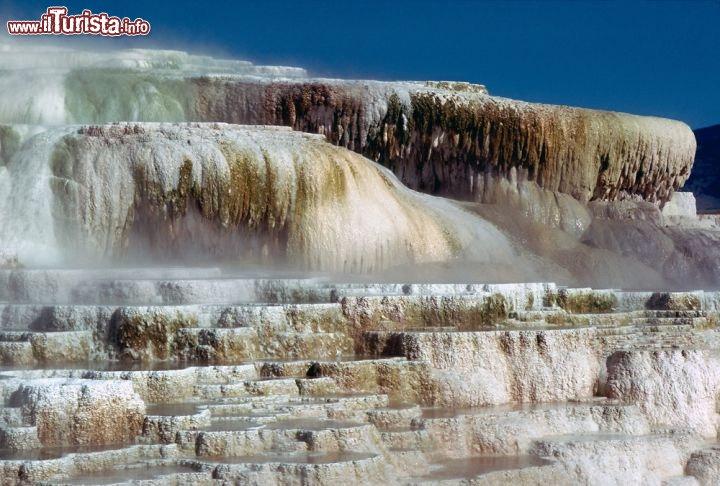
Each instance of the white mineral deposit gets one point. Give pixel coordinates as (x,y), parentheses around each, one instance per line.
(217,273)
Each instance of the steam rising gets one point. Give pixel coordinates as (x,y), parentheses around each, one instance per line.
(217,193)
(260,194)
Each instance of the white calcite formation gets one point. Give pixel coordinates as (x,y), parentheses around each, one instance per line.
(438,137)
(670,386)
(147,368)
(546,178)
(508,366)
(263,195)
(314,381)
(81,412)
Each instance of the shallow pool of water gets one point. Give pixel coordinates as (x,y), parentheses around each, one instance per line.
(475,466)
(129,473)
(173,409)
(313,424)
(294,458)
(45,453)
(232,425)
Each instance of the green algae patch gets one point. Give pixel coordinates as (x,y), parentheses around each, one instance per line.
(135,96)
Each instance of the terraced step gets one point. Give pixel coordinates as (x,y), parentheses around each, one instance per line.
(68,465)
(244,344)
(617,458)
(511,430)
(124,288)
(173,385)
(339,406)
(275,381)
(227,334)
(19,438)
(657,336)
(394,417)
(308,467)
(32,348)
(155,472)
(248,388)
(410,441)
(488,470)
(17,353)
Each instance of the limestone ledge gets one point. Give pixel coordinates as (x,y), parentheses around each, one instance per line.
(455,142)
(672,387)
(264,195)
(81,412)
(438,137)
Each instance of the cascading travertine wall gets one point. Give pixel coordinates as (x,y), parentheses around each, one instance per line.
(439,137)
(220,191)
(497,367)
(454,139)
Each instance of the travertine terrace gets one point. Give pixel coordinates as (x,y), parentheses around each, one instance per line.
(197,377)
(216,273)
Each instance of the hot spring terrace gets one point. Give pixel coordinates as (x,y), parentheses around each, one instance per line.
(181,376)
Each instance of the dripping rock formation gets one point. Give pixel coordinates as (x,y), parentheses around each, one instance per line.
(440,137)
(218,273)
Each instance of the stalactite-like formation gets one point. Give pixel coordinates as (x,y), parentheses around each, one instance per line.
(458,142)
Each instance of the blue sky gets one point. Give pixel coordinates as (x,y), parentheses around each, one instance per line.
(647,57)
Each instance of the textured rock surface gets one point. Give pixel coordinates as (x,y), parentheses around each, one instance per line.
(456,142)
(519,395)
(259,195)
(490,368)
(442,138)
(617,459)
(460,142)
(673,388)
(705,466)
(508,431)
(212,377)
(681,205)
(82,412)
(527,168)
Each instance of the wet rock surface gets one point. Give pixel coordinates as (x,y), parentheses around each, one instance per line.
(539,192)
(457,382)
(461,142)
(265,374)
(448,138)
